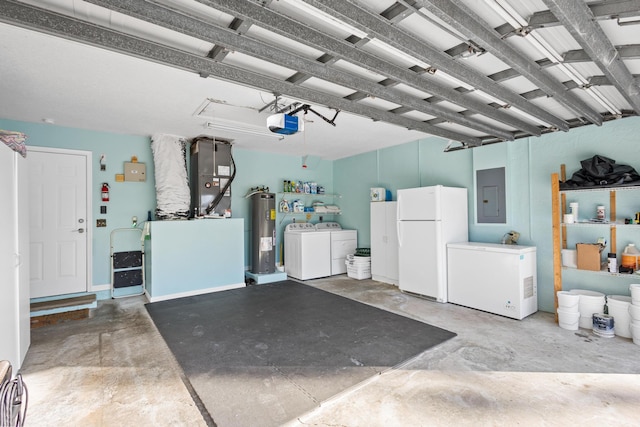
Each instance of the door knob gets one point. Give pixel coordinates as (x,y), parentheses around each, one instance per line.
(79,230)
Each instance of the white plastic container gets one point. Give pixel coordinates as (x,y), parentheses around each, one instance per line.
(568,301)
(568,319)
(570,258)
(618,306)
(591,302)
(358,267)
(634,312)
(635,293)
(635,333)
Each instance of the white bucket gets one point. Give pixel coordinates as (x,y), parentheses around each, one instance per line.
(635,333)
(634,312)
(591,302)
(635,293)
(568,319)
(568,301)
(618,306)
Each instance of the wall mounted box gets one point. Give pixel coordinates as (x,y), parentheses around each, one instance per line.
(589,257)
(135,172)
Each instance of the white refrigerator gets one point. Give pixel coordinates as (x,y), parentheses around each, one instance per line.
(428,219)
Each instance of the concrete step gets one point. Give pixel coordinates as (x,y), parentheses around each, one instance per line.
(50,312)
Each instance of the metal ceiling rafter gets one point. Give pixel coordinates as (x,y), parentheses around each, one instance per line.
(478,30)
(288,27)
(631,51)
(611,9)
(579,21)
(158,14)
(38,19)
(376,26)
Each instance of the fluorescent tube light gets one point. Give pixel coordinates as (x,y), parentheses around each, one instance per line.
(326,18)
(397,52)
(509,14)
(242,129)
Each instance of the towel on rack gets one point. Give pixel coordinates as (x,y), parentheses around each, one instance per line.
(14,140)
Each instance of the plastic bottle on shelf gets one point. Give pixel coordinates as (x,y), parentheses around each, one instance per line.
(613,263)
(630,256)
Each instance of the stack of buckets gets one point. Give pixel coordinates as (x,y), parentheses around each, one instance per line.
(577,307)
(634,312)
(359,264)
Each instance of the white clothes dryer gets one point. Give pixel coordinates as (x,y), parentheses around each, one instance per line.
(306,252)
(343,243)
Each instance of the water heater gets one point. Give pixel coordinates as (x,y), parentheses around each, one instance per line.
(263,233)
(211,171)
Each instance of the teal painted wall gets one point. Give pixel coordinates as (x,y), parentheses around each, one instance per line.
(267,169)
(136,199)
(127,199)
(529,163)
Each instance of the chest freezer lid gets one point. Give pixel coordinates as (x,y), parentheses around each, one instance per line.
(492,247)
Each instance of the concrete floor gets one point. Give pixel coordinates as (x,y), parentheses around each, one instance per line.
(114,369)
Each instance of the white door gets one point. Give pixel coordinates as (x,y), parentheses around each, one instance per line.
(58,221)
(419,258)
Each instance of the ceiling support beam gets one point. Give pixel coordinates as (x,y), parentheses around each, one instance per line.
(611,9)
(376,26)
(631,51)
(578,19)
(34,18)
(295,30)
(476,29)
(165,17)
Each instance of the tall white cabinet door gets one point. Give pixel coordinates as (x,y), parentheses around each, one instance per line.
(392,241)
(23,255)
(384,242)
(8,292)
(14,270)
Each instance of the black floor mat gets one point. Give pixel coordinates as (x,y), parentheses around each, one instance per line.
(264,354)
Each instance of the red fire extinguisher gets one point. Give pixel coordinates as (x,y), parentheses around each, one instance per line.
(105,192)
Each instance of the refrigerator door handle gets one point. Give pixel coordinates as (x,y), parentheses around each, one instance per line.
(398,233)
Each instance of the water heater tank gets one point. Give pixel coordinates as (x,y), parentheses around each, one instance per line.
(263,233)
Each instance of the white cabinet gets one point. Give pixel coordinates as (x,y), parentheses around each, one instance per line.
(384,242)
(14,258)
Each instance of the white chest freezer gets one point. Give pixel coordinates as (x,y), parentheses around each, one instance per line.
(496,278)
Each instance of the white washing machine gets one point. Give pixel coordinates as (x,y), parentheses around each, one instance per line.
(306,252)
(343,243)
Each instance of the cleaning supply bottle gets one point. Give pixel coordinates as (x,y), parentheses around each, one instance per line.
(612,263)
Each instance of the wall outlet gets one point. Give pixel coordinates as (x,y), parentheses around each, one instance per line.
(101,223)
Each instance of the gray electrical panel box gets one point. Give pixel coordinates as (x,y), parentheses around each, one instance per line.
(211,171)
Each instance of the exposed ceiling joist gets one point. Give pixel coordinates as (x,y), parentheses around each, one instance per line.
(612,9)
(624,52)
(478,30)
(60,25)
(578,19)
(336,48)
(167,18)
(376,26)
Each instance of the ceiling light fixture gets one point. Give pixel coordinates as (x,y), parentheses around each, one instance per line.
(326,18)
(510,15)
(397,52)
(236,128)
